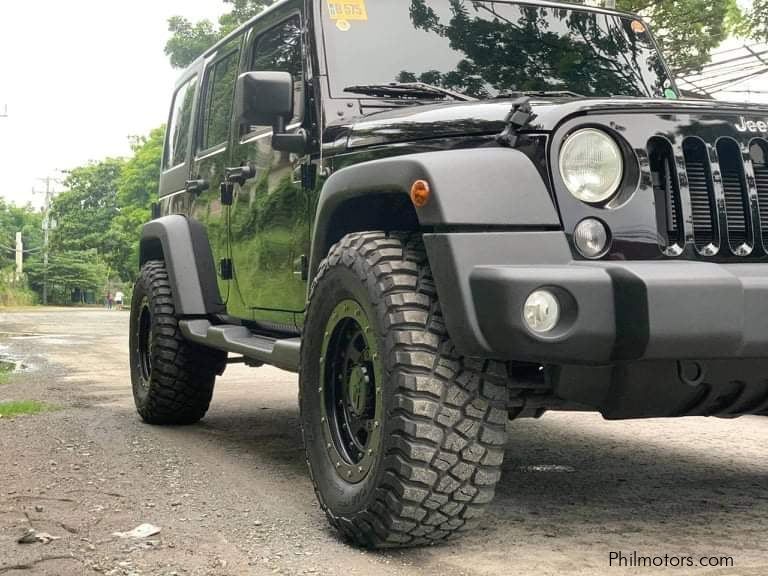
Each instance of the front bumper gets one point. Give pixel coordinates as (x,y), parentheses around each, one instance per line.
(614,311)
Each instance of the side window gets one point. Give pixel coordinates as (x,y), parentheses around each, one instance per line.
(279,50)
(181,121)
(219,93)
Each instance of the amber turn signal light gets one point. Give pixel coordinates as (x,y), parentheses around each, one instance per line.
(420,193)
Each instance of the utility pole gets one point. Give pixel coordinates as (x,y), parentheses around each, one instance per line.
(49,193)
(19,257)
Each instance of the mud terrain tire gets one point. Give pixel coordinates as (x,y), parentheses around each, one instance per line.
(172,378)
(437,460)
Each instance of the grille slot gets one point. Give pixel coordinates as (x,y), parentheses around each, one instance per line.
(666,191)
(759,154)
(736,193)
(701,188)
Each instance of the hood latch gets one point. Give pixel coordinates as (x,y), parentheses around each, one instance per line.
(519,117)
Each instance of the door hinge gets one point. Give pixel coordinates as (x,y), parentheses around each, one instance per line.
(301,267)
(226,269)
(308,176)
(227,193)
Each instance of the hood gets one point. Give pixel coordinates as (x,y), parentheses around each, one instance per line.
(456,119)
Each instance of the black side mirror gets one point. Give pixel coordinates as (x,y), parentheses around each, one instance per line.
(266,99)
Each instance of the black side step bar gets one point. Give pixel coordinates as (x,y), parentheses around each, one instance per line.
(238,339)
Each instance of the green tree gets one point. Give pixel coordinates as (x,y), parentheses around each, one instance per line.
(688,30)
(82,218)
(13,219)
(70,276)
(756,21)
(137,189)
(83,214)
(189,40)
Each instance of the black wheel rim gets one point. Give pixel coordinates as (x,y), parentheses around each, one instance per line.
(350,390)
(144,340)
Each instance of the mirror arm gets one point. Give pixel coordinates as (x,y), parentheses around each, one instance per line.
(295,143)
(279,126)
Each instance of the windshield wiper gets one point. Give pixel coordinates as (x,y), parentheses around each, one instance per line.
(550,93)
(408,90)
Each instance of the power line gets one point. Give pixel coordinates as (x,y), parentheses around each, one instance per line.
(720,76)
(24,251)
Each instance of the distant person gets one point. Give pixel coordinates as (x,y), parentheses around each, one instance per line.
(109,300)
(119,296)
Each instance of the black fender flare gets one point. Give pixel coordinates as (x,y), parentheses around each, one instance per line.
(183,244)
(491,188)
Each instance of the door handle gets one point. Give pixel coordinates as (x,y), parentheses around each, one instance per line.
(197,186)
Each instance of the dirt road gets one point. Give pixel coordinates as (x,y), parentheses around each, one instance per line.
(232,495)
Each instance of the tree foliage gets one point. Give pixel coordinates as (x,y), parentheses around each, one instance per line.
(68,275)
(756,24)
(687,30)
(82,216)
(190,39)
(554,49)
(137,189)
(96,223)
(13,219)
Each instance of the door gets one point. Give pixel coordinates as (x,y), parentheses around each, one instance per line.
(270,217)
(213,149)
(178,145)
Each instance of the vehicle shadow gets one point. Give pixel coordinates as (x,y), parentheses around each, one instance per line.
(566,474)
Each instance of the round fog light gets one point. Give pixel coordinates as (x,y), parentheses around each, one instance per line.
(542,311)
(591,238)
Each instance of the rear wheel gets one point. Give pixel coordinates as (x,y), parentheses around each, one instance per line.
(172,378)
(404,438)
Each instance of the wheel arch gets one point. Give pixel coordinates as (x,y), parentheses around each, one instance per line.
(182,243)
(470,188)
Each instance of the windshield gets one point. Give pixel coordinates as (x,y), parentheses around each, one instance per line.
(488,49)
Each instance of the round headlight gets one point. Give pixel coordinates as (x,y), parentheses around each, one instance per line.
(591,165)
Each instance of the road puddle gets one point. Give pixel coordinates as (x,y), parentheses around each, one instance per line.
(9,364)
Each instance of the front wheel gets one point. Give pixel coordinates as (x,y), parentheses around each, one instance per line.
(172,378)
(404,438)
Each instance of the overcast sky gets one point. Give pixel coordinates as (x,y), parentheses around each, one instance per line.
(79,77)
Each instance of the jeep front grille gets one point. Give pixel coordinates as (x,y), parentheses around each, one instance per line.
(703,195)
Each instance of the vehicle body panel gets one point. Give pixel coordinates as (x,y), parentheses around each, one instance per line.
(270,221)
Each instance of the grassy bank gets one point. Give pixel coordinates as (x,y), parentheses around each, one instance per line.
(20,407)
(14,296)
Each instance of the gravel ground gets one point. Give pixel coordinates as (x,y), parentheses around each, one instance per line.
(232,495)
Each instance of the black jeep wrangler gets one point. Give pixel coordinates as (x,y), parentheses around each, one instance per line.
(444,214)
